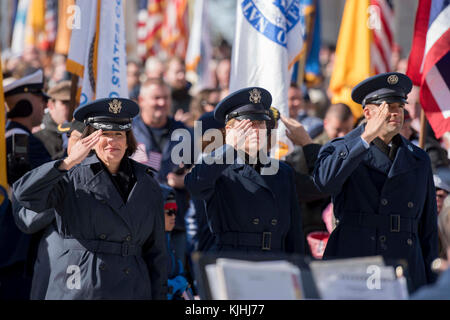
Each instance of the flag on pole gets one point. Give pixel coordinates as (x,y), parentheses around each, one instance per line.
(308,67)
(131,9)
(3,176)
(429,62)
(150,21)
(6,19)
(51,23)
(18,38)
(199,52)
(174,30)
(35,25)
(363,48)
(97,51)
(68,18)
(268,42)
(313,74)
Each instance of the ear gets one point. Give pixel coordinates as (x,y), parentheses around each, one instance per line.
(367,112)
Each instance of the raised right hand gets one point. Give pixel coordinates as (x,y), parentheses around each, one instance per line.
(80,150)
(374,126)
(235,136)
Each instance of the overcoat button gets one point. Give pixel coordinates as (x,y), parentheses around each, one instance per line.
(410,242)
(274,222)
(342,154)
(256,221)
(126,271)
(384,202)
(382,238)
(410,204)
(128,238)
(102,266)
(103,236)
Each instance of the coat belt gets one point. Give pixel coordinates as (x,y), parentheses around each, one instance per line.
(393,223)
(263,240)
(100,246)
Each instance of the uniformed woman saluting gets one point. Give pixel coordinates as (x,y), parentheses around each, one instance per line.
(109,211)
(251,203)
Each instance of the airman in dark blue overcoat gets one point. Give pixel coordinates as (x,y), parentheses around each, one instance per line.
(382,185)
(250,207)
(108,208)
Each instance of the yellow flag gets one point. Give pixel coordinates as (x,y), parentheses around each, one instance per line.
(3,180)
(35,26)
(68,15)
(352,63)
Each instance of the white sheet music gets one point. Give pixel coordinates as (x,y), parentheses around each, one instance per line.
(247,280)
(358,279)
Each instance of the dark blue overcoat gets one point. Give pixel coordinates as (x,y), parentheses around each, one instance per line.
(248,211)
(383,207)
(111,249)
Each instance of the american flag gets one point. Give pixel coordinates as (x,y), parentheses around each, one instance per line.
(152,159)
(150,21)
(382,16)
(174,32)
(429,62)
(51,23)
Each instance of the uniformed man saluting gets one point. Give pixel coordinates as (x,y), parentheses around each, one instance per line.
(381,184)
(247,210)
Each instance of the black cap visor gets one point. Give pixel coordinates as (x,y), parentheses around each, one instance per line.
(389,99)
(262,115)
(109,124)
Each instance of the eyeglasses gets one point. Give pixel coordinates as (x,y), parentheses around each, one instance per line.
(170,212)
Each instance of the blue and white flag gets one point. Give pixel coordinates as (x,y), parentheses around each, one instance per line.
(268,42)
(18,38)
(98,51)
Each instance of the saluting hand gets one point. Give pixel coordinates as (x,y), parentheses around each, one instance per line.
(235,136)
(296,132)
(80,150)
(375,123)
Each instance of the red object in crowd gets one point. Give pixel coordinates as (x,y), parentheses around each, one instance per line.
(317,241)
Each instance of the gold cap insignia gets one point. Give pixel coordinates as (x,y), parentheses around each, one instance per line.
(255,96)
(392,79)
(115,106)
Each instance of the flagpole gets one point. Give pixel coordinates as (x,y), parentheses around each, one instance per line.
(423,133)
(73,94)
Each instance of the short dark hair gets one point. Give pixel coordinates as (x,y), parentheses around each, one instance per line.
(131,140)
(341,111)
